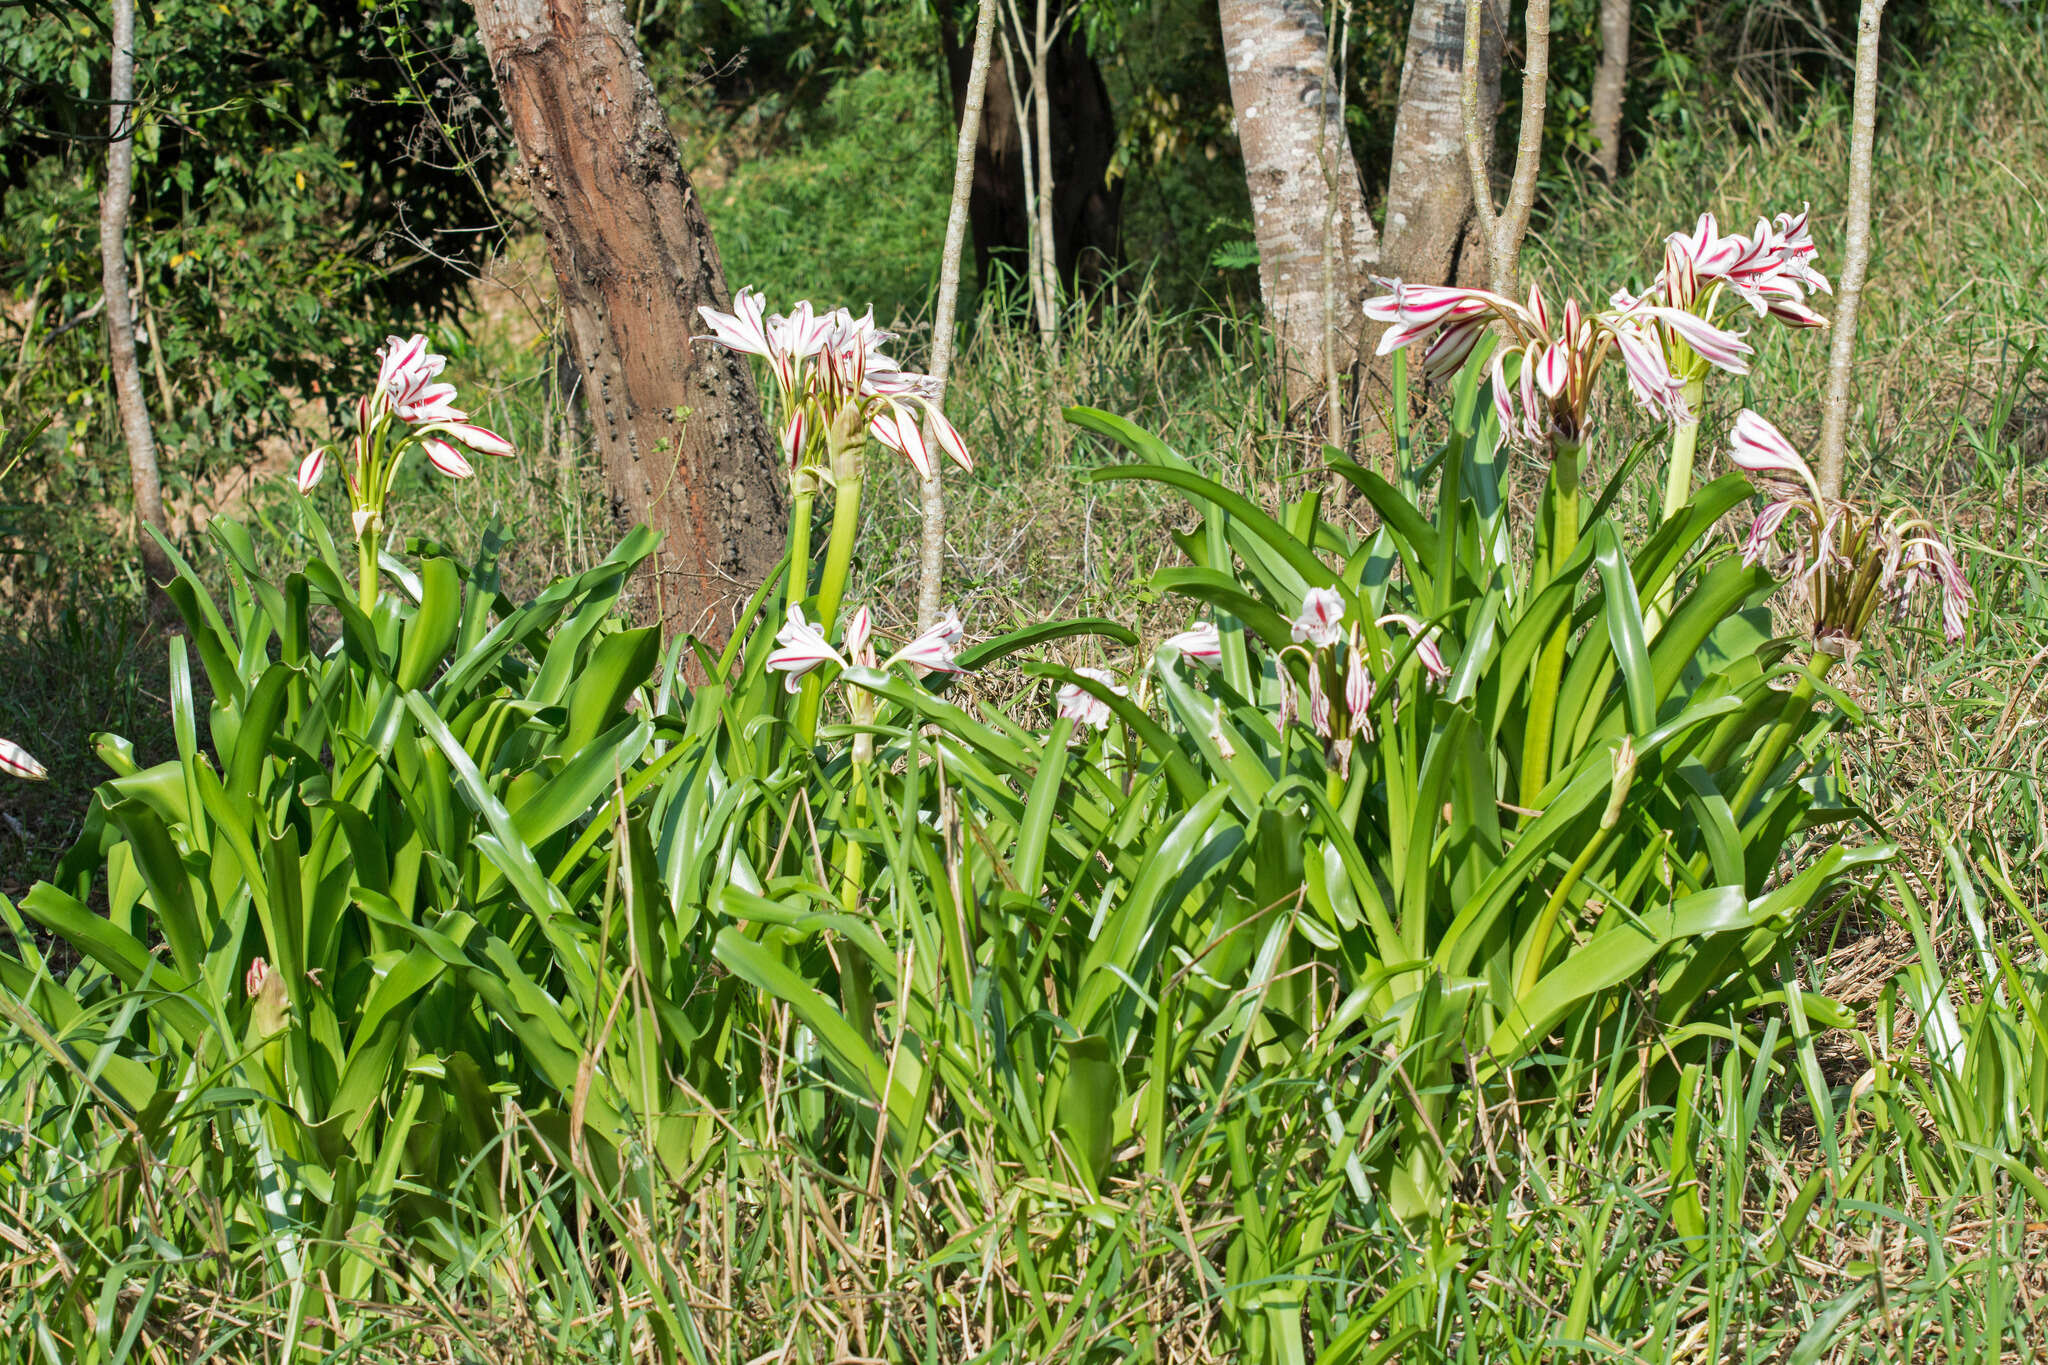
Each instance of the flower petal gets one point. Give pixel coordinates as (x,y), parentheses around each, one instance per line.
(446,458)
(1715,345)
(1083,705)
(741,329)
(935,650)
(1199,642)
(860,629)
(18,761)
(1757,447)
(949,439)
(482,440)
(1321,622)
(311,468)
(896,428)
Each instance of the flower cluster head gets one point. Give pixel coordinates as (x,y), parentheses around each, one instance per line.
(1844,560)
(18,762)
(1561,352)
(409,408)
(801,646)
(1771,269)
(1665,337)
(1318,629)
(832,378)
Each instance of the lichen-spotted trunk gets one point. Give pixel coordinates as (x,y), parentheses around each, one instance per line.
(1316,241)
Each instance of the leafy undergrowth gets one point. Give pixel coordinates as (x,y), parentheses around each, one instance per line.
(180,1187)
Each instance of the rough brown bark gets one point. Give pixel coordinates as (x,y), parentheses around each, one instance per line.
(678,425)
(115,287)
(1429,193)
(1317,244)
(1086,206)
(1609,83)
(1834,431)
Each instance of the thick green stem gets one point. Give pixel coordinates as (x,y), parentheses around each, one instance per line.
(1538,945)
(799,585)
(839,553)
(1685,440)
(1783,732)
(1560,541)
(857,988)
(366,568)
(831,591)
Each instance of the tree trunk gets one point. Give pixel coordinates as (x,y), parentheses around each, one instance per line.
(1429,192)
(1834,431)
(1086,207)
(1503,232)
(1308,211)
(1609,83)
(678,425)
(114,286)
(1041,109)
(932,542)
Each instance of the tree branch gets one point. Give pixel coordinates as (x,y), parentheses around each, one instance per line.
(1475,136)
(1504,262)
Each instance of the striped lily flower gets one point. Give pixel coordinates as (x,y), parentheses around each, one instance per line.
(830,369)
(1082,706)
(1559,352)
(19,762)
(1844,561)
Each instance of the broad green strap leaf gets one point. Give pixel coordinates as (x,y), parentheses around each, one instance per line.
(1270,532)
(988,651)
(1625,632)
(433,626)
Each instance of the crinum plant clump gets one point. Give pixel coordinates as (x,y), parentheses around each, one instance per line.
(1416,864)
(1668,339)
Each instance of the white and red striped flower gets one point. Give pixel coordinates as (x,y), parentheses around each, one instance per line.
(446,458)
(1760,450)
(1844,561)
(19,762)
(1770,268)
(310,469)
(832,365)
(1081,705)
(1426,651)
(1560,353)
(935,651)
(1358,690)
(408,408)
(1200,642)
(799,648)
(1321,621)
